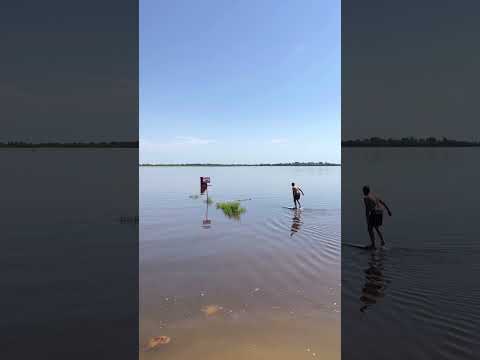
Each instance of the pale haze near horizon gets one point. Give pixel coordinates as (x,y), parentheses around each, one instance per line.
(239,82)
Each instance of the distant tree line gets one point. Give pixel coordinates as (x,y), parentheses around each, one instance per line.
(409,142)
(112,144)
(267,164)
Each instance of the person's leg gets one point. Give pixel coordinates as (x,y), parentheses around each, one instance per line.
(372,236)
(294,202)
(380,235)
(299,205)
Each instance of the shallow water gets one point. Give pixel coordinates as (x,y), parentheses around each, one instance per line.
(418,298)
(68,264)
(274,273)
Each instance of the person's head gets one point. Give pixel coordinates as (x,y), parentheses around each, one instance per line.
(293,184)
(366,190)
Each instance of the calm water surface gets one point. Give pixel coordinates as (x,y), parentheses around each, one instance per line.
(274,273)
(63,245)
(418,297)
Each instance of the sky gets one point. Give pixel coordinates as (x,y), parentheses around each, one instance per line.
(69,71)
(239,81)
(410,69)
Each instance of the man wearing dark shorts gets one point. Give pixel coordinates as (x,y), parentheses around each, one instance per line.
(296,195)
(374,214)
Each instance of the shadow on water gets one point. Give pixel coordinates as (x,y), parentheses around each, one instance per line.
(296,222)
(375,284)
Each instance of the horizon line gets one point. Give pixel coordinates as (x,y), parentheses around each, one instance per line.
(296,163)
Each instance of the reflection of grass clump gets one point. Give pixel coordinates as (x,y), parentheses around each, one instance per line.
(231,209)
(193,196)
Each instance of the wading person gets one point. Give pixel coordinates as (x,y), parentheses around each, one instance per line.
(374,212)
(296,195)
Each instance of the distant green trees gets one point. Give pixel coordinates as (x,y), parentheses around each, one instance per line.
(265,164)
(408,142)
(112,144)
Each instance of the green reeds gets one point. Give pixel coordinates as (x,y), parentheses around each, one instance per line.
(232,209)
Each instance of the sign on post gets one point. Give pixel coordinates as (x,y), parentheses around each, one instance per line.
(204,181)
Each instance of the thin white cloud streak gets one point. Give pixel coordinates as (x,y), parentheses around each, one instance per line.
(178,142)
(279,141)
(190,140)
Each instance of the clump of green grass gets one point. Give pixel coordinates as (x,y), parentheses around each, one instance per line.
(232,209)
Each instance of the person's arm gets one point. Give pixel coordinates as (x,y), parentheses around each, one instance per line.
(385,206)
(301,191)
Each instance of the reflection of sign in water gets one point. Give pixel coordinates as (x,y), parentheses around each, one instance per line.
(206,222)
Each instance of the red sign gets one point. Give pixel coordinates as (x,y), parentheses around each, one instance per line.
(204,181)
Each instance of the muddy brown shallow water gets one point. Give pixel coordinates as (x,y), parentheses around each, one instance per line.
(265,286)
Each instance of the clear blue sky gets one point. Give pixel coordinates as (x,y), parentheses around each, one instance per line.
(239,81)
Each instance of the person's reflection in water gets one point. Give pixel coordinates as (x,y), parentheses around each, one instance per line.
(375,283)
(296,222)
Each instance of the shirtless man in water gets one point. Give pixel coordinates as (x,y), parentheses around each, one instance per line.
(374,213)
(296,195)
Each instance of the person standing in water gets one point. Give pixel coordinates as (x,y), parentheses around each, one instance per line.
(296,195)
(374,213)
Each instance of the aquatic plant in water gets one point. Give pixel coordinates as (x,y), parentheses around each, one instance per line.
(232,209)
